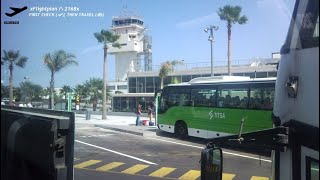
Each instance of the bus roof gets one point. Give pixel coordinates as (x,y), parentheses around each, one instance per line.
(218,79)
(222,79)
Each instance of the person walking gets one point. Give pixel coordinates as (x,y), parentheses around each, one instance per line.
(150,113)
(138,114)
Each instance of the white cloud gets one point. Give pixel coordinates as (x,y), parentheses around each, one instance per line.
(197,21)
(91,49)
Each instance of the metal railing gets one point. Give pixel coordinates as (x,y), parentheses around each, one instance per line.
(217,64)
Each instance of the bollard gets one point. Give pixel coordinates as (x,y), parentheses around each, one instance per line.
(88,115)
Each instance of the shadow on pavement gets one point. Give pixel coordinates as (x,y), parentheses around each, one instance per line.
(189,139)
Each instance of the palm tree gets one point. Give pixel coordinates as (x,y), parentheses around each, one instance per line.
(30,91)
(12,58)
(45,92)
(4,91)
(166,68)
(79,90)
(106,37)
(55,62)
(65,89)
(231,14)
(93,88)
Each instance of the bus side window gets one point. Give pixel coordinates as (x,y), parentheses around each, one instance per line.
(312,169)
(233,98)
(203,98)
(261,98)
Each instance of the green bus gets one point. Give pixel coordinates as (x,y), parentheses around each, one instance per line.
(209,107)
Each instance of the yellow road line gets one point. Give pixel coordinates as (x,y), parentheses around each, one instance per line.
(226,176)
(109,166)
(135,169)
(87,163)
(192,174)
(259,178)
(162,172)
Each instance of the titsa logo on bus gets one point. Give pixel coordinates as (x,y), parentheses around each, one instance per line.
(216,115)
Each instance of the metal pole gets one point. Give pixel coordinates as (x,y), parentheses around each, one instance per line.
(211,41)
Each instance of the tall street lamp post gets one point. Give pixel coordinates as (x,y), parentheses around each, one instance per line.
(211,39)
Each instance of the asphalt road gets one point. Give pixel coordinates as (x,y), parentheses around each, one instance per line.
(105,154)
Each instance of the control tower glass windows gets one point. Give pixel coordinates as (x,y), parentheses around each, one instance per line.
(141,84)
(132,85)
(126,22)
(132,36)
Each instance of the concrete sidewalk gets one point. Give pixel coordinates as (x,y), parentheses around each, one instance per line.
(125,124)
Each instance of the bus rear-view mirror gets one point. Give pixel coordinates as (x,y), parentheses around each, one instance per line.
(211,163)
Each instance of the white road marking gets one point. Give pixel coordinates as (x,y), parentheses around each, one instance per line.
(102,135)
(229,153)
(132,157)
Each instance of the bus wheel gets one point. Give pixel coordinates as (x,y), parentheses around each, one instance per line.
(181,130)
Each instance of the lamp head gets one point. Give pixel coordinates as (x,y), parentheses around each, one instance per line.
(206,30)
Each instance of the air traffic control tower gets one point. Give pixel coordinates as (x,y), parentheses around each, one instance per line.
(135,53)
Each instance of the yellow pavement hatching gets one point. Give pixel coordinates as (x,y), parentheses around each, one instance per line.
(161,172)
(87,163)
(135,169)
(109,166)
(192,174)
(259,178)
(226,176)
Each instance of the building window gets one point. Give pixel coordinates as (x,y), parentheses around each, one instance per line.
(206,75)
(132,85)
(157,83)
(272,74)
(238,74)
(116,104)
(195,76)
(261,75)
(186,78)
(111,87)
(122,87)
(141,84)
(149,85)
(124,104)
(251,75)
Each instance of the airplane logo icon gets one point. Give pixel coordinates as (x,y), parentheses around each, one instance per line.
(16,11)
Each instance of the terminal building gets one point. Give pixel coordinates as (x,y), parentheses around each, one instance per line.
(137,79)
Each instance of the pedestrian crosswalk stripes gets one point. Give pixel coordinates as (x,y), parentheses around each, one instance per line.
(160,172)
(136,168)
(259,178)
(192,174)
(109,166)
(87,163)
(226,176)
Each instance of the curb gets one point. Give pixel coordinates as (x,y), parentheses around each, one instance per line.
(120,130)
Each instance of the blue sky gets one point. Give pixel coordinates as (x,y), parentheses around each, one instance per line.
(176,28)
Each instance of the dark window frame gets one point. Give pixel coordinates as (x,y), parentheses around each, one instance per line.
(308,166)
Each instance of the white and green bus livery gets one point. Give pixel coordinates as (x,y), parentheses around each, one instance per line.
(209,107)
